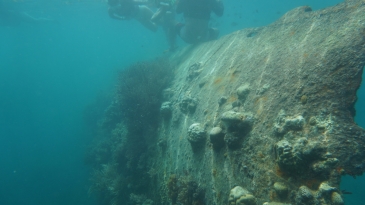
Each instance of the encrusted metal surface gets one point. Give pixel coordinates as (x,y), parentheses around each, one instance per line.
(288,91)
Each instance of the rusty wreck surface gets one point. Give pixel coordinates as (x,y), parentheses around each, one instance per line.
(269,111)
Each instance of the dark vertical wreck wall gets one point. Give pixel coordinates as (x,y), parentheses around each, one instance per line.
(260,116)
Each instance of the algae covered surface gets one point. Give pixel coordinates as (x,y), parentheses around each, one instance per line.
(260,116)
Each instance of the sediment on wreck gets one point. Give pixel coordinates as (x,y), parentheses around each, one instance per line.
(263,115)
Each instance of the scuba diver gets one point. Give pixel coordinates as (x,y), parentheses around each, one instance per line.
(197,16)
(129,9)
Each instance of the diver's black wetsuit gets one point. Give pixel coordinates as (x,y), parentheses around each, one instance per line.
(127,10)
(199,9)
(132,9)
(197,15)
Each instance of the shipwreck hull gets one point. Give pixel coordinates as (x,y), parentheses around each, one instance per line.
(283,96)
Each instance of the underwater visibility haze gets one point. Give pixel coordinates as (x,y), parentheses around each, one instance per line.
(73,83)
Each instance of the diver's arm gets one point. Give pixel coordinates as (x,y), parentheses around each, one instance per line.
(218,7)
(112,15)
(145,18)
